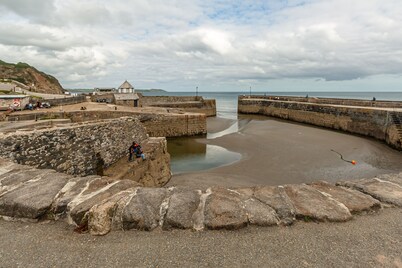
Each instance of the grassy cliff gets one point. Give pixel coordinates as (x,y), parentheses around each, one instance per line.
(33,79)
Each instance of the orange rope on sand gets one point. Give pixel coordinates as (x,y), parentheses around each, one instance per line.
(353,162)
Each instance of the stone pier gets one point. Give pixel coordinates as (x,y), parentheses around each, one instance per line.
(101,205)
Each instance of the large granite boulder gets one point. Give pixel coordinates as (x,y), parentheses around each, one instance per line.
(224,210)
(312,204)
(96,192)
(182,206)
(385,191)
(276,197)
(33,198)
(355,201)
(101,216)
(143,211)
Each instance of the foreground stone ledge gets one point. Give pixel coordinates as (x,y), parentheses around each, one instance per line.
(312,204)
(102,205)
(382,190)
(354,200)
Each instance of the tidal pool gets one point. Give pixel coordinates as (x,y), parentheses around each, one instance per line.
(187,155)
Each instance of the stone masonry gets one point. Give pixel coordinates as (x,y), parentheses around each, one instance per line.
(380,123)
(76,149)
(101,205)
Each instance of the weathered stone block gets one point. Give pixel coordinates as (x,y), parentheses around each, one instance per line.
(100,217)
(181,209)
(71,190)
(223,210)
(312,204)
(276,197)
(355,201)
(385,191)
(143,211)
(34,198)
(84,202)
(259,213)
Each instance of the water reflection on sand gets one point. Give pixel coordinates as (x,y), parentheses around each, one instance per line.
(190,154)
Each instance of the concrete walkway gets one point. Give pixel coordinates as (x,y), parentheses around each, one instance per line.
(368,241)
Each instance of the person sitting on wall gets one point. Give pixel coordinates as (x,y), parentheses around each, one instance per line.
(131,151)
(138,151)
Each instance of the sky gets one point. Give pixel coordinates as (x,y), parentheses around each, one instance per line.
(215,45)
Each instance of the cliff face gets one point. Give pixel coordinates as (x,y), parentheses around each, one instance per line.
(33,79)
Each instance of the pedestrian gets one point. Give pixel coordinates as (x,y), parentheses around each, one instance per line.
(131,150)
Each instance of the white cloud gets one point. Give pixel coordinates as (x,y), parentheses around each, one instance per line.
(174,44)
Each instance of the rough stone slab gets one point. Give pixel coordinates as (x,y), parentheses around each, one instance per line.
(181,208)
(312,204)
(33,199)
(6,166)
(18,177)
(259,213)
(143,211)
(71,190)
(78,207)
(395,178)
(385,191)
(100,217)
(355,201)
(224,210)
(276,197)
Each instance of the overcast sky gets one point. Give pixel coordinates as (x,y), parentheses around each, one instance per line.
(217,45)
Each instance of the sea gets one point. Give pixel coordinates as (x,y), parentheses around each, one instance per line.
(226,102)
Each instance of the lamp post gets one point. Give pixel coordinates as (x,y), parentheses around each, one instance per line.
(250,91)
(196,92)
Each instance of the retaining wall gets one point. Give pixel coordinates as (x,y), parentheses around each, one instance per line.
(188,103)
(335,101)
(374,123)
(156,124)
(67,100)
(79,149)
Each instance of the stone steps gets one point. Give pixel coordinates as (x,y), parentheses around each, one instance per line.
(102,205)
(396,119)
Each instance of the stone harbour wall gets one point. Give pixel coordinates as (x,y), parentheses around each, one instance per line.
(335,101)
(177,125)
(100,205)
(79,149)
(156,124)
(187,103)
(376,123)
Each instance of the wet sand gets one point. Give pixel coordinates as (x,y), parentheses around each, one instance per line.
(278,152)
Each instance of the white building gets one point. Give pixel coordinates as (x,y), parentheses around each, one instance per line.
(126,87)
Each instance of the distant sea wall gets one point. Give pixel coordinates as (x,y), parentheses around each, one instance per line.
(67,100)
(156,124)
(77,149)
(195,104)
(335,101)
(378,123)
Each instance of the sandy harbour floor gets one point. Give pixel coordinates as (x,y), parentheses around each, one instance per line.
(276,152)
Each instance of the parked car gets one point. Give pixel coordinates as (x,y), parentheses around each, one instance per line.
(45,105)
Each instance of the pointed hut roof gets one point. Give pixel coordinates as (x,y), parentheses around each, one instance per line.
(126,85)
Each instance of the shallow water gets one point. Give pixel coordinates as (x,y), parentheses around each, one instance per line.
(190,154)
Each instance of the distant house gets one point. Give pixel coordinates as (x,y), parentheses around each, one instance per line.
(127,99)
(126,87)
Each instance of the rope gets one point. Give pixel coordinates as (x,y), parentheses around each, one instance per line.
(353,162)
